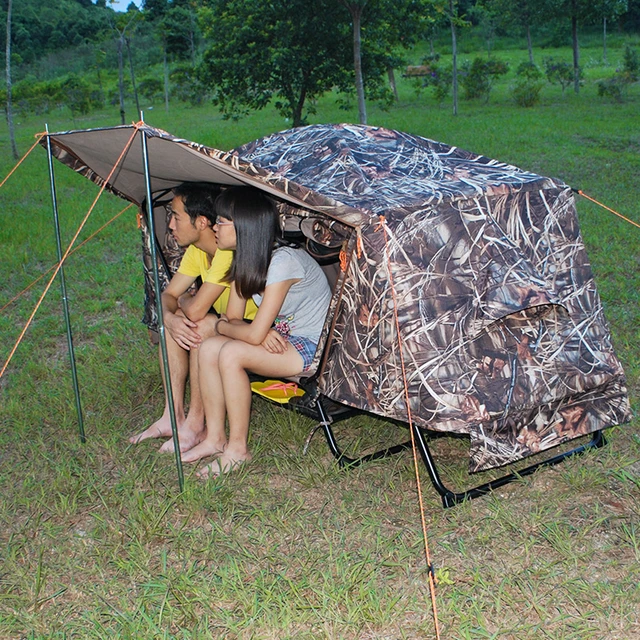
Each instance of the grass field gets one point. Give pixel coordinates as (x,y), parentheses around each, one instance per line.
(97,542)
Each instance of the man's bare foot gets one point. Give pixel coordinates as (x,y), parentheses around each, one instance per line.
(188,439)
(204,449)
(223,464)
(159,429)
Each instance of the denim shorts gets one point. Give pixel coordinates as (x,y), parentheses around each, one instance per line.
(306,348)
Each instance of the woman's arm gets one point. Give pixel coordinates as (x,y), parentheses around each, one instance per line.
(256,332)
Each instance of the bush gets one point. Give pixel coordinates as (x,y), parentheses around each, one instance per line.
(79,95)
(613,88)
(440,79)
(72,91)
(559,72)
(526,91)
(186,86)
(477,78)
(151,89)
(616,86)
(630,63)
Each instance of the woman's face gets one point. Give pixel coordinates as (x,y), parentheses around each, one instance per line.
(225,233)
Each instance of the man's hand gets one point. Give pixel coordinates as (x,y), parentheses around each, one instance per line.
(274,342)
(183,330)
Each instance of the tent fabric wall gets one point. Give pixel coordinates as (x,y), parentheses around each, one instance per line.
(501,328)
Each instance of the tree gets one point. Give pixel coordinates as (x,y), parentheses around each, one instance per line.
(579,12)
(609,10)
(12,136)
(123,23)
(379,28)
(355,8)
(454,21)
(40,26)
(522,14)
(259,53)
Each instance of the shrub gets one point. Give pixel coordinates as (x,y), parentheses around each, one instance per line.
(79,95)
(613,88)
(440,79)
(630,63)
(151,89)
(526,91)
(559,72)
(477,78)
(186,86)
(616,86)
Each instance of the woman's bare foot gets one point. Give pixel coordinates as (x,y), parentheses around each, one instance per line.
(159,429)
(221,465)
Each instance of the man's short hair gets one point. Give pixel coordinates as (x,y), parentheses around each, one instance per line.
(199,199)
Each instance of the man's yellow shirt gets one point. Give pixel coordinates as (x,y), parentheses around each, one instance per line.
(195,262)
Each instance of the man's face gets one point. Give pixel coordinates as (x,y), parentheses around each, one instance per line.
(184,231)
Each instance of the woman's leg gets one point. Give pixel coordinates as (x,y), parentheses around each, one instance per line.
(213,400)
(235,359)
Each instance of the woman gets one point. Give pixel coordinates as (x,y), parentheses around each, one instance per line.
(292,295)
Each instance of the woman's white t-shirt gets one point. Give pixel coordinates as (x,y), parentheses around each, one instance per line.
(306,304)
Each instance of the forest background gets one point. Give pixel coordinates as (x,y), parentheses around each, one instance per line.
(242,55)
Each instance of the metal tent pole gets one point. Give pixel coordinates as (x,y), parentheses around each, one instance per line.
(63,287)
(161,330)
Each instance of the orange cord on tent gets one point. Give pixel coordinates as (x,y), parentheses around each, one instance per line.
(66,253)
(431,572)
(33,146)
(93,235)
(604,206)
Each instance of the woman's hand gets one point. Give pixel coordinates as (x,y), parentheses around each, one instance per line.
(274,342)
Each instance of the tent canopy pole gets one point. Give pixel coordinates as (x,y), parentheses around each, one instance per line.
(161,329)
(63,287)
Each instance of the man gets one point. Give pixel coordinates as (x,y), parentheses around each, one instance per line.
(189,320)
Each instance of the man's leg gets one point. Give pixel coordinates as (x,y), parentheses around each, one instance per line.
(178,368)
(192,430)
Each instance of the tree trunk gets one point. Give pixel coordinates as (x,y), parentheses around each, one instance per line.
(166,79)
(121,79)
(12,135)
(392,82)
(454,57)
(576,48)
(297,107)
(192,38)
(604,41)
(133,79)
(356,13)
(529,44)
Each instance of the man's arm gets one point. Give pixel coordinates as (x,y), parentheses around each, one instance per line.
(181,328)
(198,306)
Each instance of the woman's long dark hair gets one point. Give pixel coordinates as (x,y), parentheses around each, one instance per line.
(255,219)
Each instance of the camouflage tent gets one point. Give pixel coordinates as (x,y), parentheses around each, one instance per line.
(466,300)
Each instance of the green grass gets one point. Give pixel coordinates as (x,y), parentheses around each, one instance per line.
(97,542)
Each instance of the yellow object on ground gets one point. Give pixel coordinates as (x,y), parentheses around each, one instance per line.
(277,390)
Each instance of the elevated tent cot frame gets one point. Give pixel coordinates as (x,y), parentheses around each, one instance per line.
(464,303)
